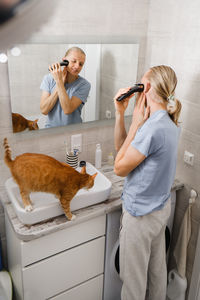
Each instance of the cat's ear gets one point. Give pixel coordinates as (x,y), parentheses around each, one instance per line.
(94,175)
(35,125)
(83,170)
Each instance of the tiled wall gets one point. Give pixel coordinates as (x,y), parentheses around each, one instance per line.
(173,38)
(74,21)
(30,67)
(167,34)
(118,69)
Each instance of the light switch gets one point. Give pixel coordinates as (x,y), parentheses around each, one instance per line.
(76,142)
(189,158)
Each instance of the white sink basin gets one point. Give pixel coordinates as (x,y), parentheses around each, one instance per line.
(46,206)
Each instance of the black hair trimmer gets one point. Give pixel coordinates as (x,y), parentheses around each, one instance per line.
(139,87)
(64,63)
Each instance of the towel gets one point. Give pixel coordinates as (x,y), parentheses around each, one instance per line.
(180,251)
(176,287)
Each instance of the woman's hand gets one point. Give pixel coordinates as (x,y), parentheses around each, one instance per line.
(64,75)
(57,73)
(140,114)
(121,106)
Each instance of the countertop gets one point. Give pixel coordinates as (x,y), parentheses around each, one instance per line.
(30,232)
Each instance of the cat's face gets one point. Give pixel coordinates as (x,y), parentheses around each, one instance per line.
(33,125)
(91,178)
(91,181)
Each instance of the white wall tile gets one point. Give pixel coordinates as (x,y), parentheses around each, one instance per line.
(167,33)
(173,39)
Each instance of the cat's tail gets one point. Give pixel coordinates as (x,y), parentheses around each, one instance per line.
(7,158)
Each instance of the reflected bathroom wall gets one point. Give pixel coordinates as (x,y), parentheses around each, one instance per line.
(119,65)
(108,67)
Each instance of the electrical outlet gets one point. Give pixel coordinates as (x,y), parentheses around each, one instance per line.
(108,114)
(188,158)
(76,142)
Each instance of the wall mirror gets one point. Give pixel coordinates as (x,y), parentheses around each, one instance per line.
(108,67)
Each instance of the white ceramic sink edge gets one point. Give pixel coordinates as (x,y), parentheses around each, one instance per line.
(47,206)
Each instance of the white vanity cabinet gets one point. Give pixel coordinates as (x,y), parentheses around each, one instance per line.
(66,264)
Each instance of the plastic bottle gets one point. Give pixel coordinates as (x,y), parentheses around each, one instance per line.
(98,156)
(110,159)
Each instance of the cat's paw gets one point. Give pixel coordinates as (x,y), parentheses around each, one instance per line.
(73,217)
(28,208)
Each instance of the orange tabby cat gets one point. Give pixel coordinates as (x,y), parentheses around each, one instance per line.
(42,173)
(20,123)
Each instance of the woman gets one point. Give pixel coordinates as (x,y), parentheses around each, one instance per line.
(64,92)
(147,158)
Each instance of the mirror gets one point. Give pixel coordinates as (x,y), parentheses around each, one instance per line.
(108,67)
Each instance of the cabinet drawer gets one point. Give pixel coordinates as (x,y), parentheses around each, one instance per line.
(90,290)
(48,245)
(63,271)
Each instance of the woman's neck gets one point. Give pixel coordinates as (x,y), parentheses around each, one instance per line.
(71,78)
(157,106)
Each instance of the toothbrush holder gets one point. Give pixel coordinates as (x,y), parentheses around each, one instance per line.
(72,159)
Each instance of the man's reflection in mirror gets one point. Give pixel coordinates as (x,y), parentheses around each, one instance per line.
(64,91)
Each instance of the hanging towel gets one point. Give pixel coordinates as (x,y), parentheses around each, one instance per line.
(176,287)
(180,251)
(1,264)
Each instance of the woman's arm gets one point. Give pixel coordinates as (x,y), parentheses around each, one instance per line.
(68,105)
(60,76)
(48,101)
(120,131)
(128,158)
(120,107)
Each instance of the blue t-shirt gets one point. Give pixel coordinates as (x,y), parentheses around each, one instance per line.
(148,186)
(79,88)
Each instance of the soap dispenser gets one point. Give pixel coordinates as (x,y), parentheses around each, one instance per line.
(110,159)
(98,156)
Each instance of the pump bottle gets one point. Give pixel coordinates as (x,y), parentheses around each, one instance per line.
(98,156)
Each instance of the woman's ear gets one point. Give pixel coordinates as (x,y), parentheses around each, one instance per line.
(147,87)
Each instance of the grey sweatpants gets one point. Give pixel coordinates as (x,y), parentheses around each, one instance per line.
(143,255)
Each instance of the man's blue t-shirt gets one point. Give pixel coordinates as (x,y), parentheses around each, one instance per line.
(148,186)
(79,88)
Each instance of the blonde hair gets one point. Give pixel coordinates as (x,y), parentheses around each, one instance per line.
(163,79)
(74,49)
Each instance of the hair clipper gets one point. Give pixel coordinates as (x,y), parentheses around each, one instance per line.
(63,63)
(139,87)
